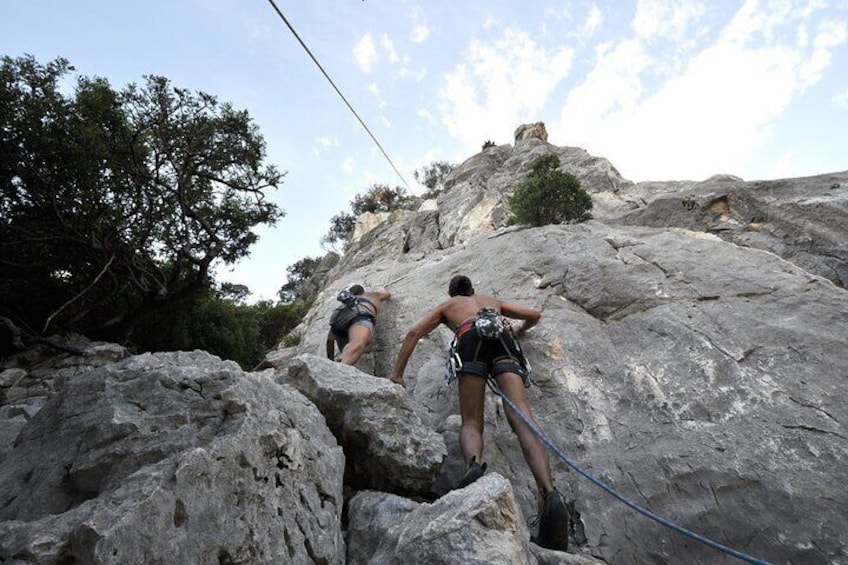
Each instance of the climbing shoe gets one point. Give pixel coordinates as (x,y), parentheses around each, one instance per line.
(553,523)
(475,471)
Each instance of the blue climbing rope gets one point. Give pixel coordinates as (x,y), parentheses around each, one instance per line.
(644,511)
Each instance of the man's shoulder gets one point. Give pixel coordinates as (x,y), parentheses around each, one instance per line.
(375,295)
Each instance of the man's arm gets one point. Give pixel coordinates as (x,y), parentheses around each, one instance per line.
(529,315)
(331,345)
(421,329)
(383,294)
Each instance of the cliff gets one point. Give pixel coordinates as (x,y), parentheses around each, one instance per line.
(692,354)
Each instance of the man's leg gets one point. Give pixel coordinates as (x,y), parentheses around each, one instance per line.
(472,394)
(359,336)
(534,450)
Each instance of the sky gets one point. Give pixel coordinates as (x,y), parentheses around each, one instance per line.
(664,89)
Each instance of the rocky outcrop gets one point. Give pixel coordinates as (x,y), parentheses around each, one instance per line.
(28,378)
(479,524)
(695,370)
(663,360)
(692,355)
(802,220)
(388,446)
(172,458)
(531,131)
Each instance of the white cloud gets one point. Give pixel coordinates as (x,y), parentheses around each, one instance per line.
(348,164)
(831,34)
(385,121)
(426,115)
(561,13)
(419,33)
(417,76)
(593,22)
(711,115)
(374,89)
(499,85)
(667,19)
(389,46)
(327,141)
(365,53)
(783,168)
(841,99)
(490,22)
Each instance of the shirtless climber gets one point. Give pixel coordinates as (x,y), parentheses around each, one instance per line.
(352,323)
(502,360)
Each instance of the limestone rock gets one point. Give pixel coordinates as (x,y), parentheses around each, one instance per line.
(701,378)
(387,443)
(531,131)
(367,222)
(803,220)
(173,458)
(479,524)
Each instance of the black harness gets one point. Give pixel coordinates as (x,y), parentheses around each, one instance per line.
(344,315)
(489,325)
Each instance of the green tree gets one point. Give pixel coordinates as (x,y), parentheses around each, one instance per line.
(298,275)
(378,198)
(341,228)
(381,198)
(549,196)
(118,204)
(433,177)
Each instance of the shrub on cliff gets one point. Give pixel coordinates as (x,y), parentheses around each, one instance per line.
(549,196)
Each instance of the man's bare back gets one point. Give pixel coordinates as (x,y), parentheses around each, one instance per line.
(460,309)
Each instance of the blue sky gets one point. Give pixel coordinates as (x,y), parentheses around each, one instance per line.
(664,89)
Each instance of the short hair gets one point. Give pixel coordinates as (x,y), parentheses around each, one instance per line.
(356,289)
(460,285)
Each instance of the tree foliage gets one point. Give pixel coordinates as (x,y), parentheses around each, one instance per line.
(223,326)
(378,198)
(298,276)
(433,177)
(116,204)
(549,196)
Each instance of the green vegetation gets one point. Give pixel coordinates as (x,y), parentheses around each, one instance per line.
(117,205)
(433,177)
(549,196)
(297,279)
(222,325)
(378,198)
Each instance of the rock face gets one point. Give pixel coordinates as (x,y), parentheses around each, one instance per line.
(801,220)
(692,355)
(696,366)
(388,446)
(172,458)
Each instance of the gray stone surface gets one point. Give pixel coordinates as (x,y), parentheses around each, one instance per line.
(173,458)
(693,355)
(702,379)
(388,445)
(479,524)
(803,220)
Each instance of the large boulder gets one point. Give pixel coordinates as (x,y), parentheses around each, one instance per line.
(389,447)
(481,524)
(478,524)
(173,458)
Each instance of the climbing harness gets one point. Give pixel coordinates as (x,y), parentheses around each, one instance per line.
(453,364)
(490,326)
(350,309)
(609,490)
